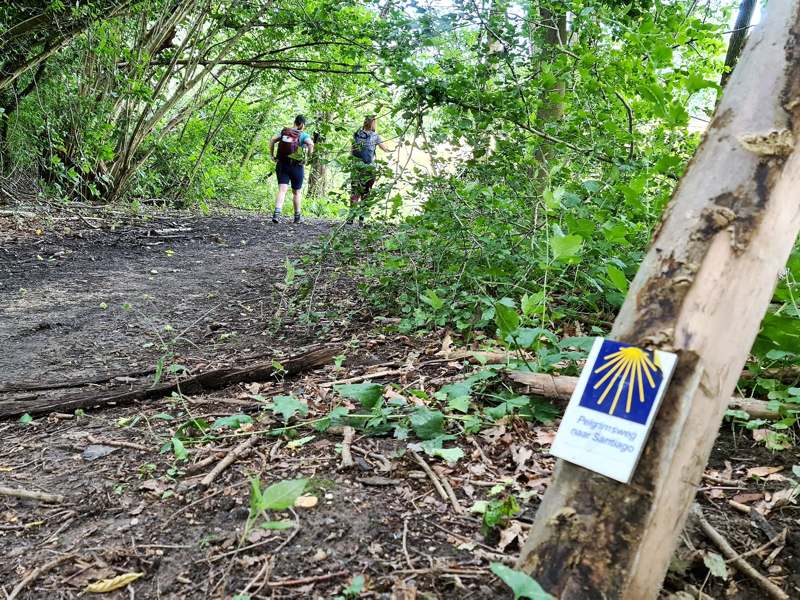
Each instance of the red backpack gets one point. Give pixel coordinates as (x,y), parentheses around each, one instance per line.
(289,142)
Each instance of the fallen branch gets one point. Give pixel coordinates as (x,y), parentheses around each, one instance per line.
(741,565)
(560,387)
(29,495)
(36,573)
(31,386)
(239,451)
(347,458)
(211,380)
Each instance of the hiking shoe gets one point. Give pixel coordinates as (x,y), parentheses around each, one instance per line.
(276,217)
(297,218)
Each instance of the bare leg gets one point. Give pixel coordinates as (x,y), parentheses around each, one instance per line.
(282,187)
(296,201)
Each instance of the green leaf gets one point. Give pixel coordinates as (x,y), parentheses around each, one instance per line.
(355,588)
(26,419)
(179,449)
(522,585)
(234,421)
(432,299)
(368,394)
(565,246)
(530,303)
(282,524)
(715,564)
(459,403)
(282,495)
(426,423)
(300,441)
(618,278)
(451,455)
(288,406)
(506,318)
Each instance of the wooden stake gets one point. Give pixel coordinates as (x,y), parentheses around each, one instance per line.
(701,292)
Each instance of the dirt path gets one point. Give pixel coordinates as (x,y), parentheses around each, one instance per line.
(113,302)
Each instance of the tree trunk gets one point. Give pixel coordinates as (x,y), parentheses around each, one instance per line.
(701,292)
(555,35)
(738,38)
(318,177)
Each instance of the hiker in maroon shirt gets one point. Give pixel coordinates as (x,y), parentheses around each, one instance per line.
(289,164)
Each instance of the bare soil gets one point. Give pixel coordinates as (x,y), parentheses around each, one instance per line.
(203,292)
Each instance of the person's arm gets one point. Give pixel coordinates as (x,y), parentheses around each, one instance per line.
(382,145)
(310,145)
(272,146)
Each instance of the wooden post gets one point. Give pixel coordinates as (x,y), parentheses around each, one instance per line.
(701,291)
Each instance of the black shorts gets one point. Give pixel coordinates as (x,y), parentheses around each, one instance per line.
(290,172)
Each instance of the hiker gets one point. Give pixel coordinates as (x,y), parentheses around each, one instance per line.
(363,173)
(289,164)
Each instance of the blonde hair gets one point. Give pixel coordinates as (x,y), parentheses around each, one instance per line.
(369,123)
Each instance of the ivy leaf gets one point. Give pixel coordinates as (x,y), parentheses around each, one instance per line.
(522,585)
(716,564)
(26,419)
(426,423)
(288,406)
(450,455)
(368,394)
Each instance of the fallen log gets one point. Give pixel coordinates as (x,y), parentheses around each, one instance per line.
(560,387)
(211,380)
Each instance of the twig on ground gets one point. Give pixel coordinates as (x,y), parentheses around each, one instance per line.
(29,495)
(741,565)
(434,479)
(405,544)
(722,480)
(478,572)
(305,580)
(200,464)
(778,539)
(348,434)
(263,572)
(118,443)
(358,378)
(242,549)
(36,573)
(451,494)
(239,451)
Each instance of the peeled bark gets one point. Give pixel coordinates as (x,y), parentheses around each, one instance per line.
(701,291)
